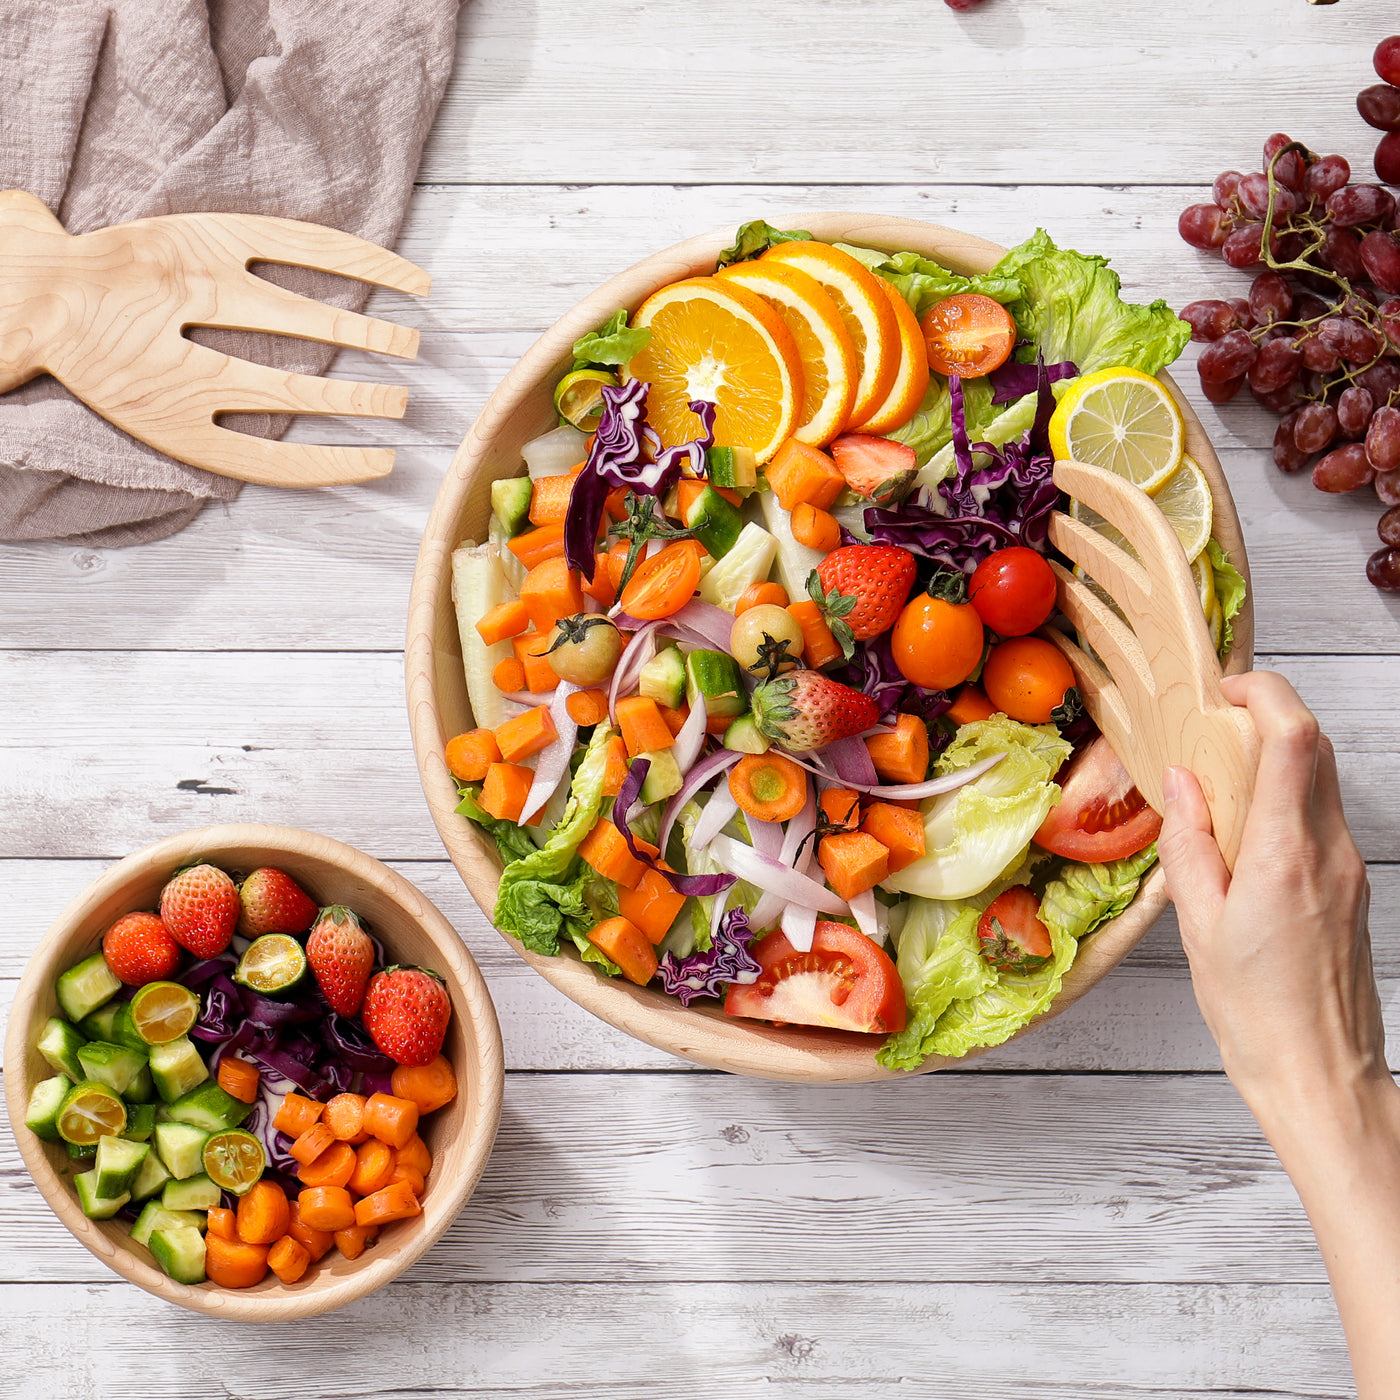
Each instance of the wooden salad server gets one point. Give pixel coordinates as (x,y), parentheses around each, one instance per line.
(106,313)
(1152,686)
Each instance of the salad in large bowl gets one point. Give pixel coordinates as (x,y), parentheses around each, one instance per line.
(761,756)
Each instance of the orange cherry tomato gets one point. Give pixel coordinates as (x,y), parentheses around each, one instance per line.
(936,644)
(968,335)
(1026,678)
(664,583)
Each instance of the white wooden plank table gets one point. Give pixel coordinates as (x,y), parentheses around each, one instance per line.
(1089,1211)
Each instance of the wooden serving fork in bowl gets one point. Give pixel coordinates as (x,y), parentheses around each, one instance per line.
(1152,687)
(105,313)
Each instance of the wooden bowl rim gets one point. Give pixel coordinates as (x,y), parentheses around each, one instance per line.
(441,1204)
(705,1035)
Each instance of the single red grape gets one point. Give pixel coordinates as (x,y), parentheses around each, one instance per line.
(1243,314)
(1243,248)
(1222,392)
(1277,366)
(1253,193)
(1288,456)
(1315,427)
(1348,339)
(1387,486)
(1223,190)
(1360,204)
(1387,60)
(1383,440)
(1270,298)
(1344,469)
(1341,251)
(1382,379)
(1209,320)
(1388,526)
(1203,226)
(1387,159)
(1380,253)
(1354,409)
(1383,570)
(1318,356)
(1380,106)
(1326,176)
(1228,358)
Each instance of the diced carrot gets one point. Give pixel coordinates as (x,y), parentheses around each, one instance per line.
(374,1165)
(508,675)
(600,587)
(469,755)
(587,707)
(841,808)
(901,757)
(549,500)
(504,792)
(898,828)
(617,562)
(526,734)
(319,1242)
(535,546)
(614,506)
(234,1264)
(628,947)
(768,786)
(652,905)
(393,1202)
(530,648)
(853,862)
(327,1208)
(238,1079)
(222,1222)
(605,850)
(643,728)
(355,1239)
(311,1144)
(814,527)
(687,489)
(430,1086)
(391,1119)
(758,593)
(508,619)
(970,705)
(910,804)
(801,473)
(407,1172)
(263,1214)
(718,724)
(551,591)
(416,1154)
(296,1114)
(334,1167)
(289,1259)
(819,647)
(674,718)
(615,764)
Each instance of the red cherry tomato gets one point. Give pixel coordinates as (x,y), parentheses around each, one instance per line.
(935,643)
(1013,591)
(1026,678)
(968,335)
(1100,815)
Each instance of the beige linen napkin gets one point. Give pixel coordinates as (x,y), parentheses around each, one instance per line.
(309,109)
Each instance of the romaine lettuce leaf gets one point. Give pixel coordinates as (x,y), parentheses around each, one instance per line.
(512,841)
(922,282)
(613,343)
(930,431)
(996,424)
(755,238)
(1083,896)
(1230,590)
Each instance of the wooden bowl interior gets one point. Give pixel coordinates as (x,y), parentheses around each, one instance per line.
(520,409)
(412,931)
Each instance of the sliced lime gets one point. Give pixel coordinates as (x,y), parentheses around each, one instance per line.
(579,397)
(163,1011)
(273,965)
(90,1111)
(234,1160)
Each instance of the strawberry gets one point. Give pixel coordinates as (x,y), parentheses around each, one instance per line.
(273,902)
(861,588)
(341,956)
(807,710)
(878,468)
(199,905)
(406,1014)
(1010,934)
(139,949)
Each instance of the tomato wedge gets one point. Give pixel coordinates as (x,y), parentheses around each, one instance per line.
(968,335)
(846,982)
(664,583)
(1100,815)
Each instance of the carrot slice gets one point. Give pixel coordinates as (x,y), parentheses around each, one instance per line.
(606,851)
(601,586)
(393,1202)
(318,1242)
(526,734)
(815,528)
(799,473)
(391,1119)
(970,705)
(238,1079)
(311,1144)
(530,651)
(628,947)
(819,647)
(508,619)
(853,862)
(587,707)
(289,1259)
(508,675)
(416,1154)
(327,1208)
(469,755)
(334,1167)
(234,1264)
(549,500)
(768,786)
(535,546)
(409,1174)
(901,757)
(429,1086)
(222,1222)
(263,1214)
(355,1239)
(296,1114)
(615,765)
(374,1166)
(758,593)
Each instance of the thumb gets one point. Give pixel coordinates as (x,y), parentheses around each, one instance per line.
(1197,879)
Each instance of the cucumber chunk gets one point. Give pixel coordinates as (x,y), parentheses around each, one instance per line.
(45,1099)
(81,1151)
(176,1067)
(664,777)
(150,1179)
(118,1161)
(101,1025)
(181,1148)
(735,468)
(142,1089)
(140,1121)
(748,562)
(510,503)
(113,1065)
(663,678)
(154,1216)
(193,1193)
(95,1205)
(743,736)
(715,522)
(714,677)
(59,1044)
(210,1108)
(86,986)
(180,1252)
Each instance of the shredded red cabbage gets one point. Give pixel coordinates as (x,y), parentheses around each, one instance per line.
(707,974)
(622,804)
(1014,381)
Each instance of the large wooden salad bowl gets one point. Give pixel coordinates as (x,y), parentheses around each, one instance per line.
(522,408)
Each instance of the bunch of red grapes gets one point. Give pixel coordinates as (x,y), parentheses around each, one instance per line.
(1318,337)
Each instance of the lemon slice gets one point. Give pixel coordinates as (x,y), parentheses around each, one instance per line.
(1123,420)
(1204,576)
(715,341)
(234,1160)
(163,1011)
(1185,499)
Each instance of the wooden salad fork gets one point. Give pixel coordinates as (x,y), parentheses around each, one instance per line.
(106,313)
(1152,687)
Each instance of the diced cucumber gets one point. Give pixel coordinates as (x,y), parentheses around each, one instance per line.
(113,1065)
(210,1108)
(118,1161)
(735,468)
(95,1205)
(795,561)
(743,736)
(510,503)
(140,1121)
(102,1023)
(180,1252)
(714,677)
(142,1089)
(176,1067)
(81,1151)
(181,1148)
(663,678)
(154,1216)
(478,584)
(715,522)
(45,1099)
(664,777)
(747,563)
(193,1193)
(59,1044)
(150,1179)
(86,986)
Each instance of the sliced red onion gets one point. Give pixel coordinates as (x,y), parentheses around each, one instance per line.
(634,656)
(622,803)
(704,771)
(530,698)
(711,622)
(800,925)
(865,907)
(775,877)
(668,627)
(767,836)
(851,761)
(691,738)
(930,787)
(552,762)
(714,818)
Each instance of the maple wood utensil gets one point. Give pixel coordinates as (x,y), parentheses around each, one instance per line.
(1156,695)
(106,313)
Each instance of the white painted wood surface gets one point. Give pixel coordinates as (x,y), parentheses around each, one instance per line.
(1088,1211)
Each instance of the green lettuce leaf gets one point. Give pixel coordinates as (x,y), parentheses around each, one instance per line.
(922,282)
(930,431)
(1083,896)
(613,343)
(755,238)
(997,424)
(512,841)
(1230,590)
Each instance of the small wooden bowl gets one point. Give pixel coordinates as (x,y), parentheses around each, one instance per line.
(412,930)
(521,409)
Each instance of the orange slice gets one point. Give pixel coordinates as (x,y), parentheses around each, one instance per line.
(829,367)
(864,308)
(713,340)
(910,379)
